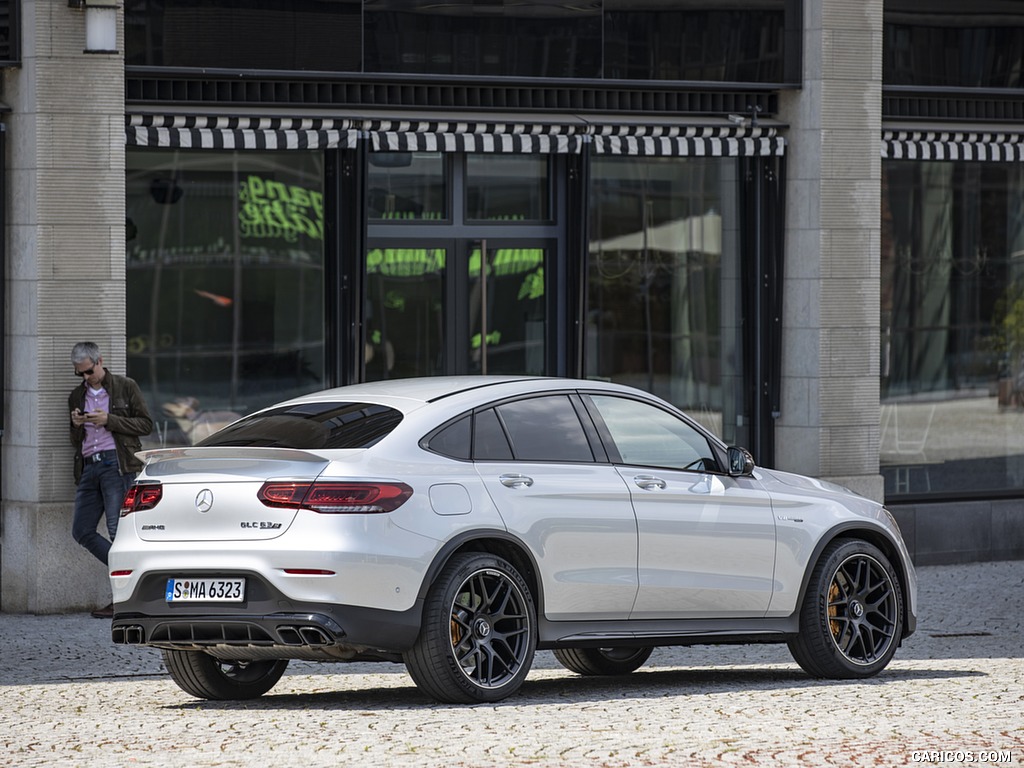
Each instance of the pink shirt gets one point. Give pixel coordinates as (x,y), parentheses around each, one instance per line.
(97,438)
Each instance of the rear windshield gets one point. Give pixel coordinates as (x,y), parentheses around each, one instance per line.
(310,426)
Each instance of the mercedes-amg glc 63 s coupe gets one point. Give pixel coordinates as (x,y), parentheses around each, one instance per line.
(459,524)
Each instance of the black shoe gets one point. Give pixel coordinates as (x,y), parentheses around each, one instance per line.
(104,613)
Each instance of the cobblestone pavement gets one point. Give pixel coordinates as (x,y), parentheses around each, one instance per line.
(953,695)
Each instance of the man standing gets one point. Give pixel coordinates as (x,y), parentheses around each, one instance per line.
(108,416)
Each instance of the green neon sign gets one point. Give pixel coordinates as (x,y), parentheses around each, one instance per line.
(273,209)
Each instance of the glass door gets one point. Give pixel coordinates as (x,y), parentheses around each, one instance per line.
(460,268)
(506,300)
(405,318)
(464,306)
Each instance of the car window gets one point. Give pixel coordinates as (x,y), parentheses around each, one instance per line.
(310,426)
(453,440)
(545,429)
(648,436)
(489,440)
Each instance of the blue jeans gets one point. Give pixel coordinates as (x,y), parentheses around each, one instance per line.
(100,494)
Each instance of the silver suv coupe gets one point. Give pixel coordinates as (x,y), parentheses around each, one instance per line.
(457,525)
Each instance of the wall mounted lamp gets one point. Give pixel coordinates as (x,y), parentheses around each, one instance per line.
(100,24)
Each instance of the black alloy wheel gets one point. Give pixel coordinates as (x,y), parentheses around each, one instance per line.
(852,619)
(479,632)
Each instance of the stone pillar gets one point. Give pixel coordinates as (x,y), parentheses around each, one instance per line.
(65,270)
(830,404)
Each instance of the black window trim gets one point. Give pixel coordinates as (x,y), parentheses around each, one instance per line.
(568,394)
(598,445)
(717,447)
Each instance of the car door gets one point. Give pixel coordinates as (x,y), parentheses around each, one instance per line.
(538,463)
(706,540)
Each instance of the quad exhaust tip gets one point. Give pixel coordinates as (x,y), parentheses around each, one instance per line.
(298,635)
(132,634)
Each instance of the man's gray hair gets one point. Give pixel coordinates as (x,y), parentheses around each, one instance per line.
(85,350)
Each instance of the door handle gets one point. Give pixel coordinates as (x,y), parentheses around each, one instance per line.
(650,482)
(516,481)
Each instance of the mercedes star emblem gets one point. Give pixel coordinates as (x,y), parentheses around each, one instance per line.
(204,500)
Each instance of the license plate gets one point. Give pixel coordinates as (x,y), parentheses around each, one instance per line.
(205,590)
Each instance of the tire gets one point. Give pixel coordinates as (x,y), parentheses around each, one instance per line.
(602,661)
(206,677)
(851,621)
(479,632)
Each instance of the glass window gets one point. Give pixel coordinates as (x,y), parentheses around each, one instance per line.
(952,322)
(407,186)
(315,35)
(663,41)
(507,311)
(310,426)
(650,437)
(405,317)
(490,443)
(507,188)
(545,429)
(973,45)
(531,38)
(225,287)
(454,440)
(663,284)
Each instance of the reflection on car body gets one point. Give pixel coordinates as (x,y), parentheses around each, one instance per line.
(458,524)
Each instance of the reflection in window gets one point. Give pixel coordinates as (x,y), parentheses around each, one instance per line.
(405,319)
(507,188)
(973,45)
(454,440)
(545,429)
(490,443)
(952,321)
(656,41)
(530,38)
(224,283)
(507,310)
(309,426)
(315,35)
(650,437)
(407,186)
(663,284)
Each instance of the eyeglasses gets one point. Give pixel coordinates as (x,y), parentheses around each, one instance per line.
(85,373)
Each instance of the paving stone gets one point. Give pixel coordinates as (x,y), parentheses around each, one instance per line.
(954,694)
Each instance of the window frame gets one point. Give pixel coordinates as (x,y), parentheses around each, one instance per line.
(716,447)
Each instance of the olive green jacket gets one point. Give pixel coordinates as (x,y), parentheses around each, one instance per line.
(128,420)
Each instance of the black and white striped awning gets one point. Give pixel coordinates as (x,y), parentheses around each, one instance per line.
(953,145)
(692,141)
(204,132)
(218,132)
(411,136)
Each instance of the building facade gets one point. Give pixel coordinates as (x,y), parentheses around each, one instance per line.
(795,220)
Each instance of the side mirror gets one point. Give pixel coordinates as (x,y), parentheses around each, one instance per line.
(741,462)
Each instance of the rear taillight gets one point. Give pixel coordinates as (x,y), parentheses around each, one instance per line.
(140,497)
(332,498)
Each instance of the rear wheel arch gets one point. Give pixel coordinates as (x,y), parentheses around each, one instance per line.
(493,543)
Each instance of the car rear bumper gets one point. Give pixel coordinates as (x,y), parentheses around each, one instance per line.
(267,622)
